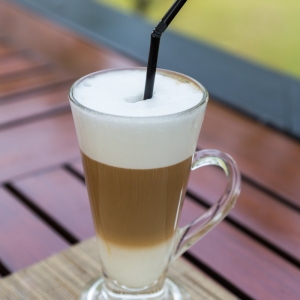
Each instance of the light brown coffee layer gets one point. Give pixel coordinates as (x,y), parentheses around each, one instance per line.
(132,207)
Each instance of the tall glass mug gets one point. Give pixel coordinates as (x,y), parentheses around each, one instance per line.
(136,171)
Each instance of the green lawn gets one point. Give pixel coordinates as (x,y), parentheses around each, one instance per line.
(264,31)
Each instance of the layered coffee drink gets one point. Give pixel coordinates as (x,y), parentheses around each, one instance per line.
(137,157)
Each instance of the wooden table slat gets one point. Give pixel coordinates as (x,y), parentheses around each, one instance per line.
(256,211)
(16,62)
(39,103)
(61,196)
(262,154)
(25,238)
(256,270)
(34,146)
(36,79)
(61,45)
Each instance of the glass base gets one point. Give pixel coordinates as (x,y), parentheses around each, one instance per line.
(171,291)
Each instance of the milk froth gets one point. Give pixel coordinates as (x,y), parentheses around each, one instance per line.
(141,139)
(121,93)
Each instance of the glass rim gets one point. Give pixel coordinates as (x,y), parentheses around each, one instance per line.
(161,71)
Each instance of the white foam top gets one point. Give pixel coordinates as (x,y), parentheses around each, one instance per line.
(121,93)
(129,141)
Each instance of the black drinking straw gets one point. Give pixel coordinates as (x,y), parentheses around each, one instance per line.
(154,45)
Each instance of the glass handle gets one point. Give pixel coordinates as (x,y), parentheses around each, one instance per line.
(188,235)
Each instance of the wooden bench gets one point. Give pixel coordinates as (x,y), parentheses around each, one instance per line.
(254,253)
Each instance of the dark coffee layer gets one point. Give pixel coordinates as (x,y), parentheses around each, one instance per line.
(132,207)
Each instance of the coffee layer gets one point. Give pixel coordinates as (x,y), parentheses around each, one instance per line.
(135,208)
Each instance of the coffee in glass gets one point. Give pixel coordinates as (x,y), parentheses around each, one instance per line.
(137,156)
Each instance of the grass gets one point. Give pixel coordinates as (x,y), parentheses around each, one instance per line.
(264,31)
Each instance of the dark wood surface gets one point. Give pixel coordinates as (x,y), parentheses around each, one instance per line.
(25,237)
(254,253)
(265,156)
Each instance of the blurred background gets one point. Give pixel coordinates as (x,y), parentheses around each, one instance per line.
(264,32)
(246,53)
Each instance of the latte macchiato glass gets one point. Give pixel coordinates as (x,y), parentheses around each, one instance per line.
(137,157)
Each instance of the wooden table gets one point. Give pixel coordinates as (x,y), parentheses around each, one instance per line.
(253,254)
